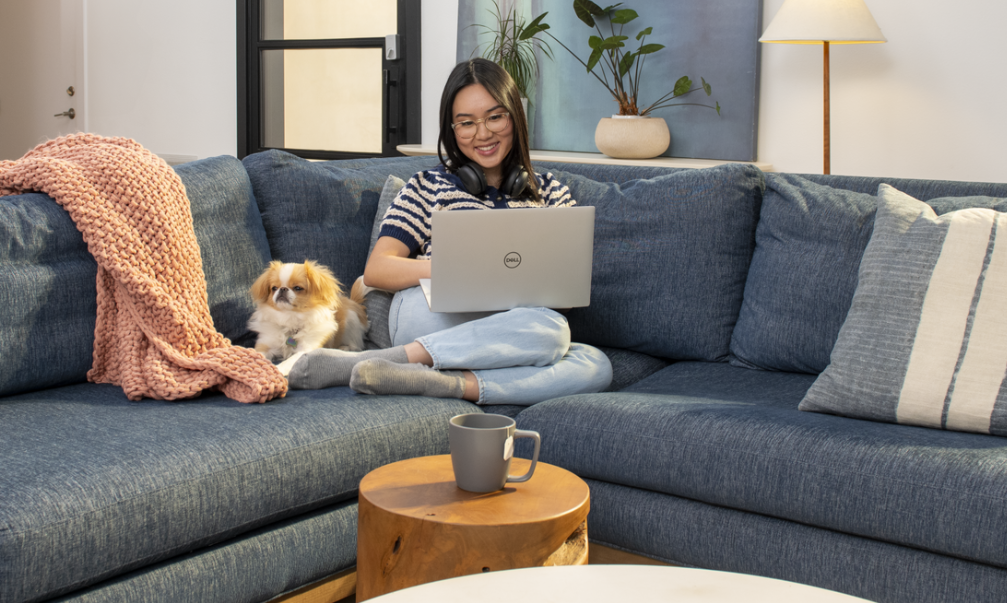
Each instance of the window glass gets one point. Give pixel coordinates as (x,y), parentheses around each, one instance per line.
(326,99)
(327,19)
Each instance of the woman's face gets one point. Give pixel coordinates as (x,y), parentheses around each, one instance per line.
(486,148)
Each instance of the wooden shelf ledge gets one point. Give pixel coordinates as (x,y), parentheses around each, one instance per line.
(415,150)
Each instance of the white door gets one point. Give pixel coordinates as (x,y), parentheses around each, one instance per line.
(41,72)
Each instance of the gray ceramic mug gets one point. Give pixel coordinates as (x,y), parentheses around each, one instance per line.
(481,449)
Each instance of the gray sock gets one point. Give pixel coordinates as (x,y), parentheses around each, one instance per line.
(325,367)
(379,376)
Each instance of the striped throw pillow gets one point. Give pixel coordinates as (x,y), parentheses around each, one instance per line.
(925,340)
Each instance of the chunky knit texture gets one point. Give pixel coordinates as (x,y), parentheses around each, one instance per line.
(154,336)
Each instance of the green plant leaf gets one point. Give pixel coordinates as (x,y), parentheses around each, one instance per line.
(650,48)
(531,32)
(534,28)
(587,10)
(683,85)
(535,22)
(626,63)
(707,87)
(613,42)
(718,108)
(645,32)
(609,9)
(594,42)
(624,16)
(595,57)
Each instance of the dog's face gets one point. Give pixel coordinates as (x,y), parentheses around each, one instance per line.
(296,287)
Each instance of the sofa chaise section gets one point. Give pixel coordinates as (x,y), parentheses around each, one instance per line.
(106,499)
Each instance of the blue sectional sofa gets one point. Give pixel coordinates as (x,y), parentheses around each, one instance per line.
(718,294)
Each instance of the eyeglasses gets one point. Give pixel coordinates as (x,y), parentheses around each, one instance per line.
(468,128)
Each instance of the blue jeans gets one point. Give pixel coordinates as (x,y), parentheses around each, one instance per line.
(521,356)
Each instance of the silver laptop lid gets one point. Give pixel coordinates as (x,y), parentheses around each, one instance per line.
(507,258)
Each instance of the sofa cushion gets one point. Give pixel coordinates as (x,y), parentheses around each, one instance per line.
(323,210)
(733,437)
(629,367)
(808,246)
(232,241)
(695,534)
(379,301)
(811,236)
(393,184)
(925,341)
(302,550)
(670,258)
(129,484)
(47,296)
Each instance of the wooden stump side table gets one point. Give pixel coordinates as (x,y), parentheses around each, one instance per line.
(416,526)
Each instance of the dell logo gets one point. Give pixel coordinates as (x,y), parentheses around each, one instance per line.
(512,259)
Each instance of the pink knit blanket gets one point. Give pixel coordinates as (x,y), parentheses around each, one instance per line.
(154,336)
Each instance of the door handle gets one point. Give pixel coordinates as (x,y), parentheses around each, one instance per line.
(391,96)
(71,114)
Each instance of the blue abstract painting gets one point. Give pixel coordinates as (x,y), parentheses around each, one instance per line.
(714,39)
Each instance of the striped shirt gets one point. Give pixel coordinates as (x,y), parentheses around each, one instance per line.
(409,216)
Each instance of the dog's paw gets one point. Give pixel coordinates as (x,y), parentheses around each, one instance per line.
(289,363)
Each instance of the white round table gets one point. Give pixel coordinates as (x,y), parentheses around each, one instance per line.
(609,583)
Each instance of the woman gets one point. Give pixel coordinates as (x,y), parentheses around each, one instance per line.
(521,356)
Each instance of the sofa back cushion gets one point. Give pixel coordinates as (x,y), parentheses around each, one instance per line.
(810,239)
(47,275)
(323,211)
(47,296)
(808,245)
(232,241)
(670,257)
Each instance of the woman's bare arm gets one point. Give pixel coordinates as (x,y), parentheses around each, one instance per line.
(391,268)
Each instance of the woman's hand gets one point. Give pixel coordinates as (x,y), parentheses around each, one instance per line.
(391,268)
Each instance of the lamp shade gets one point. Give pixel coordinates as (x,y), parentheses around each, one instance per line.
(817,21)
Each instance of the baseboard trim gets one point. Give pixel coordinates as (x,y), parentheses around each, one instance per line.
(344,584)
(599,554)
(327,590)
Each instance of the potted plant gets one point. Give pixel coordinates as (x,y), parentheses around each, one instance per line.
(629,134)
(513,48)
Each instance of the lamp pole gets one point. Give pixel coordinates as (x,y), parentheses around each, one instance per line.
(823,22)
(827,169)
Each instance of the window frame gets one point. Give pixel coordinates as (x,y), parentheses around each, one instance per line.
(400,82)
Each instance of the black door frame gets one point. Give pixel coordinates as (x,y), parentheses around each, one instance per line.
(400,81)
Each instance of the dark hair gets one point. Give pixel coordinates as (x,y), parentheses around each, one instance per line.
(502,88)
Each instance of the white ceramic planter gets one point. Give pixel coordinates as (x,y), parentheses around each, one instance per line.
(632,136)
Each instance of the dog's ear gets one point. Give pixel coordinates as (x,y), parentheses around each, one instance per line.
(322,282)
(261,289)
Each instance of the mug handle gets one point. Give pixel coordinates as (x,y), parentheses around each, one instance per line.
(518,433)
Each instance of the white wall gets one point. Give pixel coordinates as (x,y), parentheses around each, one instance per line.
(928,104)
(439,23)
(164,74)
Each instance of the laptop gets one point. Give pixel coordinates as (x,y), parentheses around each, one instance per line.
(487,260)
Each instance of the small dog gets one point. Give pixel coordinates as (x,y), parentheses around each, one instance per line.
(302,307)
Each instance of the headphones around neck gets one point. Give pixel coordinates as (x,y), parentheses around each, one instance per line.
(514,183)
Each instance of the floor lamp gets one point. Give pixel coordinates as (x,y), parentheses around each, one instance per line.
(823,22)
